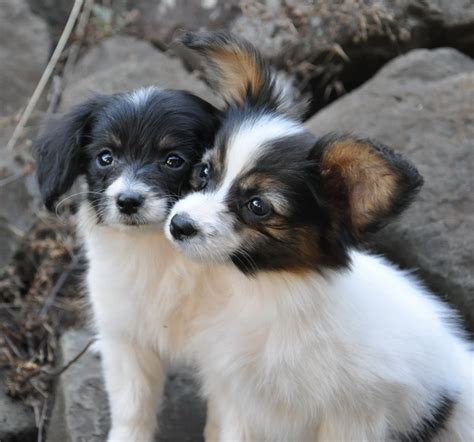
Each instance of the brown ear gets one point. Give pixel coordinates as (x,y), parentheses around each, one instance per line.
(369,183)
(241,73)
(238,68)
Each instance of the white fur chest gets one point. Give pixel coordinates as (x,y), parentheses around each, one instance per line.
(310,351)
(137,286)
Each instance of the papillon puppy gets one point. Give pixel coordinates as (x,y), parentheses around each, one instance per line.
(298,334)
(135,151)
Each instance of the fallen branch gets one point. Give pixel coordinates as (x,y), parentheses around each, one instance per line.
(61,370)
(46,74)
(58,286)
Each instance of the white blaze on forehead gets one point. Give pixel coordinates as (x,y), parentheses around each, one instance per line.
(154,208)
(139,97)
(126,183)
(246,143)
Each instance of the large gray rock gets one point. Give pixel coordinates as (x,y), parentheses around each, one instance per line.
(330,46)
(81,409)
(54,12)
(336,46)
(122,63)
(160,19)
(24,51)
(422,104)
(20,202)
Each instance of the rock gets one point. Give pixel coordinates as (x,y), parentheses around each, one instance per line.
(17,421)
(23,54)
(20,203)
(54,12)
(422,105)
(160,19)
(331,46)
(81,409)
(336,46)
(122,63)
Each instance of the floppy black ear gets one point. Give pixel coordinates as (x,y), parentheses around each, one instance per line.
(367,183)
(59,151)
(241,74)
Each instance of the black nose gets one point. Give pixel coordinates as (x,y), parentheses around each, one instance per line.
(129,202)
(182,227)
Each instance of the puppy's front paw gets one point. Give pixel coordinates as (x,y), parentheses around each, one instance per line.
(129,434)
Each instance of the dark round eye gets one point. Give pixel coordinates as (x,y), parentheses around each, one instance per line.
(174,161)
(200,176)
(105,158)
(258,206)
(203,171)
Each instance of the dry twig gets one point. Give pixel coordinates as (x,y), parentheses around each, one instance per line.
(46,74)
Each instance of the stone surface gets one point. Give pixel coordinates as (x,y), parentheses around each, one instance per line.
(122,63)
(336,46)
(17,422)
(161,19)
(329,46)
(54,12)
(24,52)
(422,104)
(17,215)
(20,201)
(81,409)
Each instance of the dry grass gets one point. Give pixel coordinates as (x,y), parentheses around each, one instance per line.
(39,297)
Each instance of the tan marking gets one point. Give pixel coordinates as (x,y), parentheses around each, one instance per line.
(239,72)
(367,177)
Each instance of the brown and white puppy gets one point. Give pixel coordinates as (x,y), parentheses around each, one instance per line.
(298,334)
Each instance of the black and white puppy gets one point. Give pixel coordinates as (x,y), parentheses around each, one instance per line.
(300,336)
(136,151)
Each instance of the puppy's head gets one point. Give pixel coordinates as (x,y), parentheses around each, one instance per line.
(134,149)
(270,195)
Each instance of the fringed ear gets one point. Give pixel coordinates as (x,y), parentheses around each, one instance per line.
(368,183)
(241,74)
(59,152)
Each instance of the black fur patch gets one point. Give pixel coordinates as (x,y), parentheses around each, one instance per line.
(429,427)
(316,228)
(299,238)
(140,135)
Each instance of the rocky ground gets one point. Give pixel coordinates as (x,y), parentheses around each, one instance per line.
(404,90)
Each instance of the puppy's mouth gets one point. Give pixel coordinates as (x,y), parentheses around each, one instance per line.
(136,221)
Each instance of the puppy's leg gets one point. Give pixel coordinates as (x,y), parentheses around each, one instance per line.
(134,379)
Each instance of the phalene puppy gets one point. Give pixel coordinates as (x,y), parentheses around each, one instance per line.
(299,335)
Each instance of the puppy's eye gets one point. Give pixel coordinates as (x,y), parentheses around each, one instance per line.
(200,176)
(174,161)
(105,158)
(259,207)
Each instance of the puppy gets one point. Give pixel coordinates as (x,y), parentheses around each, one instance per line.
(303,336)
(135,151)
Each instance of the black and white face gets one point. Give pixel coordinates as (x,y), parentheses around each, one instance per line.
(136,151)
(258,204)
(271,196)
